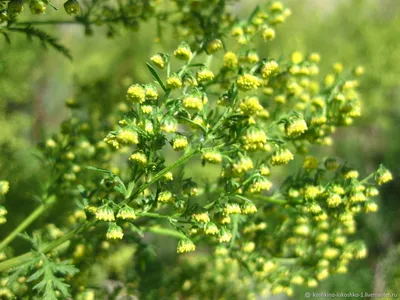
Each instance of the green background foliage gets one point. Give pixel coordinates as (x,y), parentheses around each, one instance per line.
(35,83)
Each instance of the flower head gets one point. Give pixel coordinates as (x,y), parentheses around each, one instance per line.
(183,52)
(185,245)
(136,93)
(126,213)
(248,82)
(105,213)
(281,157)
(114,232)
(4,187)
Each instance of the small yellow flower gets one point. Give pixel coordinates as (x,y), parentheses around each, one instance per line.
(268,33)
(297,57)
(248,208)
(127,137)
(204,75)
(254,139)
(159,61)
(225,236)
(250,105)
(192,102)
(174,82)
(281,157)
(295,127)
(384,176)
(4,187)
(165,197)
(248,82)
(232,208)
(139,158)
(334,200)
(312,192)
(185,245)
(237,31)
(211,229)
(126,213)
(243,165)
(330,253)
(315,57)
(180,143)
(114,232)
(353,174)
(260,186)
(201,217)
(230,60)
(136,93)
(151,92)
(105,213)
(310,163)
(169,125)
(269,68)
(213,46)
(183,52)
(169,176)
(276,6)
(213,157)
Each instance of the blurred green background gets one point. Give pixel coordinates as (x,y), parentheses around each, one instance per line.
(34,84)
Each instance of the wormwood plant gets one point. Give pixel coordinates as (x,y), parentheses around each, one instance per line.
(215,101)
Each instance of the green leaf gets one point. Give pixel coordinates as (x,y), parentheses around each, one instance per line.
(45,38)
(156,77)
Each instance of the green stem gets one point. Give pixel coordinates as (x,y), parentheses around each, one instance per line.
(164,231)
(160,174)
(28,220)
(267,199)
(18,260)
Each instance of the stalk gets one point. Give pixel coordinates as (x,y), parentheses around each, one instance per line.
(28,220)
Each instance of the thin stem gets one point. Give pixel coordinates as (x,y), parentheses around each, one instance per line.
(160,174)
(18,260)
(269,199)
(164,231)
(28,220)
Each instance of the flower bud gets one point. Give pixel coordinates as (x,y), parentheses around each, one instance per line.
(37,7)
(72,7)
(114,232)
(185,245)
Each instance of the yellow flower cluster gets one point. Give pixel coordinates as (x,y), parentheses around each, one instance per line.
(201,217)
(247,82)
(185,245)
(194,102)
(183,52)
(174,82)
(251,105)
(105,213)
(214,45)
(254,139)
(269,68)
(204,75)
(158,60)
(165,197)
(296,127)
(232,208)
(180,143)
(139,158)
(213,157)
(243,165)
(4,187)
(126,213)
(230,60)
(136,93)
(114,232)
(260,186)
(281,157)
